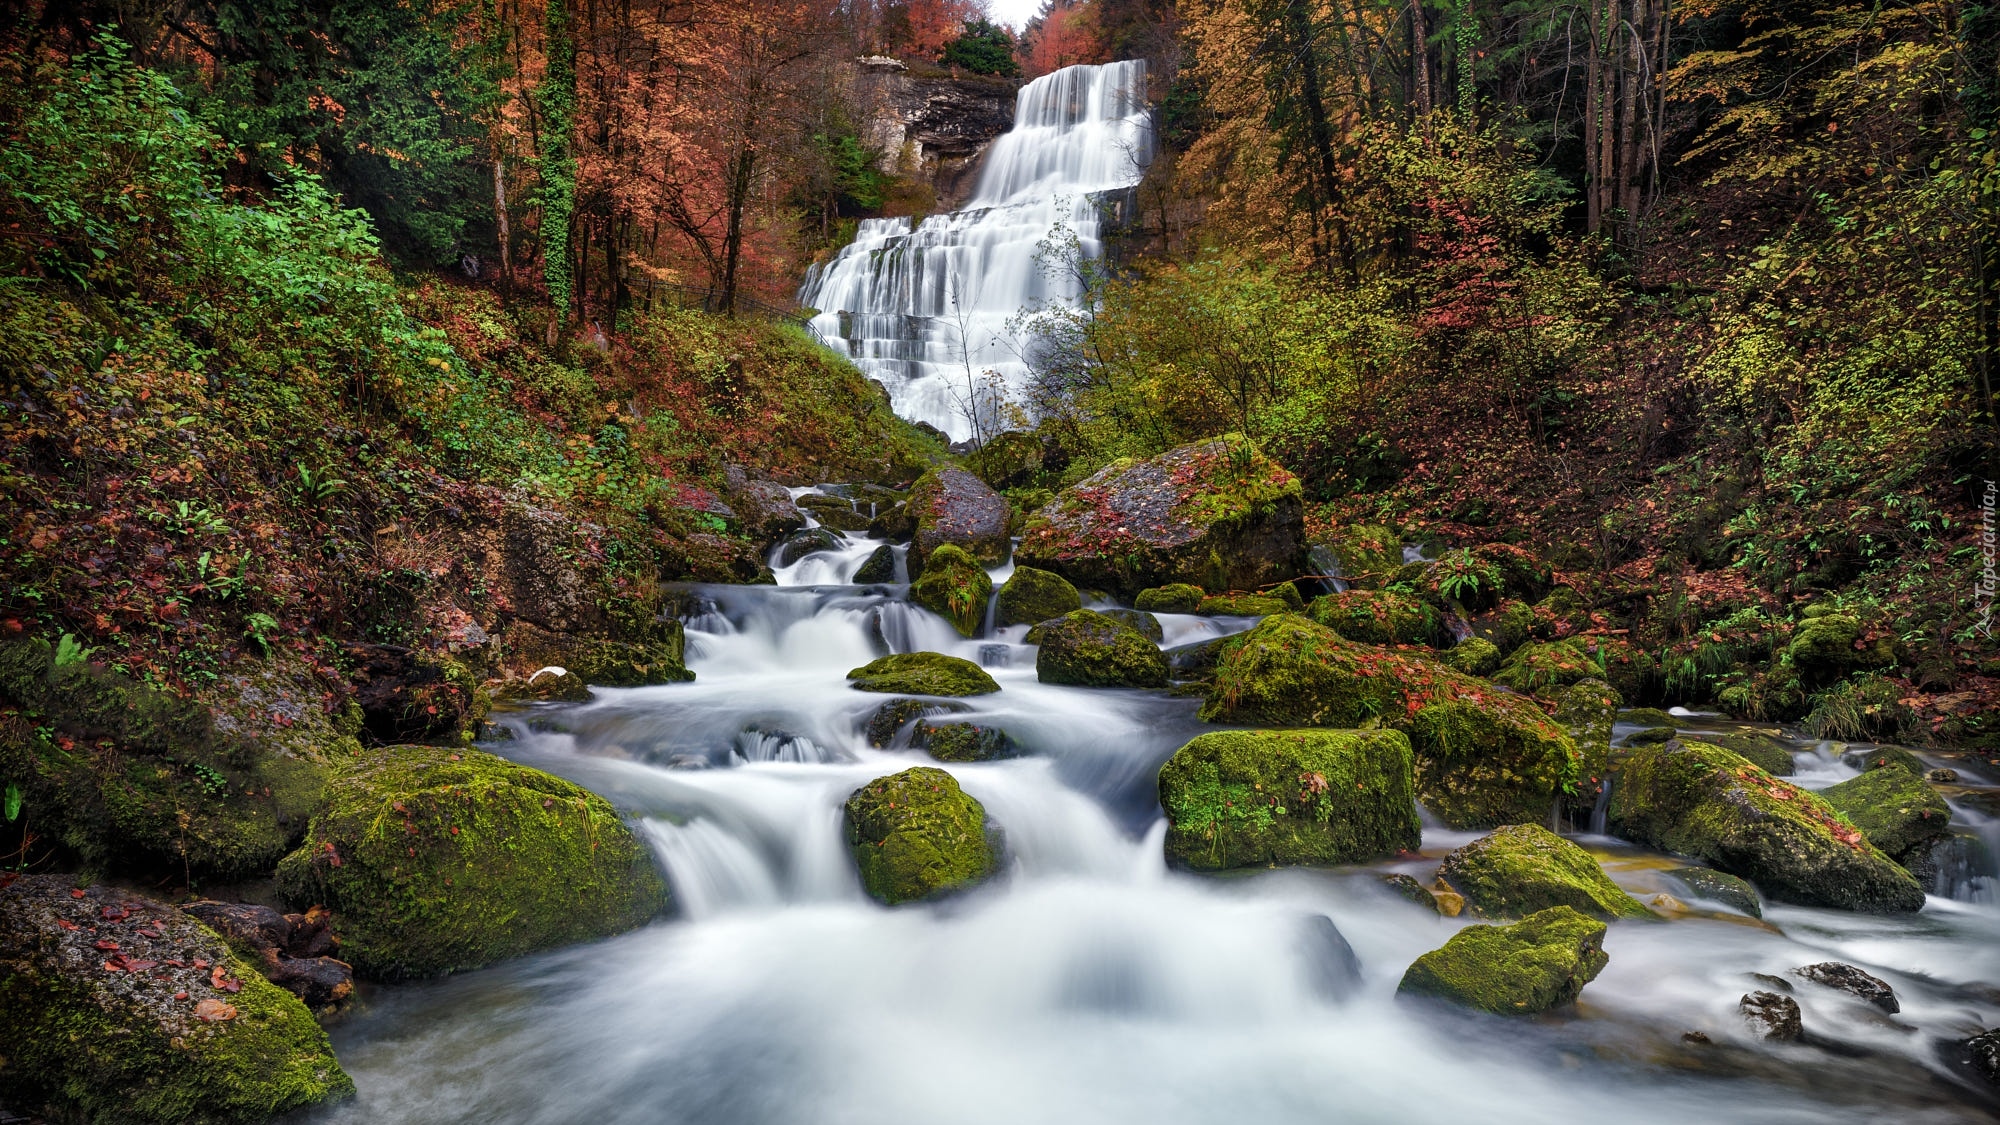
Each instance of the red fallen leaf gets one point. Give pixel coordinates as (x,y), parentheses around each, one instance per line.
(200,964)
(212,1010)
(139,966)
(454,829)
(150,933)
(66,923)
(225,982)
(180,995)
(114,967)
(115,913)
(76,894)
(108,946)
(175,962)
(413,853)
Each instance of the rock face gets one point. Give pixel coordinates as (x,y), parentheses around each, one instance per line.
(1278,798)
(1174,597)
(933,127)
(951,506)
(292,951)
(652,653)
(1363,554)
(1701,882)
(916,835)
(1703,801)
(955,587)
(115,1008)
(879,567)
(1538,963)
(764,509)
(434,861)
(1846,978)
(1524,868)
(1088,649)
(1897,810)
(1216,514)
(1031,596)
(923,673)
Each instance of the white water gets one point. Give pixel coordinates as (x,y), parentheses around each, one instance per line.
(919,309)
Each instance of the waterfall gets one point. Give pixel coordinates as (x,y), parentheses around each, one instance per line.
(926,311)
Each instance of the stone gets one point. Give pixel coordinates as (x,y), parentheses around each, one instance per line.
(1087,649)
(1538,669)
(1538,963)
(916,835)
(1761,750)
(955,587)
(1139,620)
(1195,660)
(879,568)
(1408,888)
(1365,555)
(1176,597)
(1588,709)
(1380,617)
(1522,869)
(931,126)
(951,506)
(1243,605)
(923,673)
(1646,717)
(1507,627)
(894,715)
(1981,1055)
(1715,886)
(1897,810)
(1333,969)
(1846,978)
(292,951)
(1281,798)
(1824,649)
(1030,596)
(799,544)
(1008,460)
(1651,736)
(764,509)
(964,742)
(1941,776)
(1771,1016)
(1473,656)
(548,684)
(409,696)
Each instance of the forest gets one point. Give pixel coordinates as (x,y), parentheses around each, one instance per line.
(1028,559)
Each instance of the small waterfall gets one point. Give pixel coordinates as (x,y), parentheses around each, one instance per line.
(918,308)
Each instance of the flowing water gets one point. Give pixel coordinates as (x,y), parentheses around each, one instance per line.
(927,310)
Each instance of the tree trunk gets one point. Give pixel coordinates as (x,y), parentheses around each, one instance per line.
(1628,128)
(1593,170)
(505,236)
(739,195)
(558,97)
(1420,61)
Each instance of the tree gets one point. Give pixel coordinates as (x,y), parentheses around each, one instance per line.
(983,48)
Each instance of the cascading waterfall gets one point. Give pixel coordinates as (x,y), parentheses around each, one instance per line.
(927,311)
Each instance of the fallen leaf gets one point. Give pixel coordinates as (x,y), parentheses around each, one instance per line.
(212,1010)
(108,946)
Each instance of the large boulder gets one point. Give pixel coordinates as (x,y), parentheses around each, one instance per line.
(951,506)
(1538,963)
(1828,646)
(878,568)
(1588,709)
(1277,798)
(763,509)
(923,673)
(916,835)
(1761,750)
(1364,555)
(117,1009)
(955,587)
(1174,597)
(1708,803)
(434,861)
(1217,514)
(1473,656)
(1030,596)
(1541,668)
(1087,649)
(1524,868)
(964,742)
(1379,617)
(1897,810)
(1485,757)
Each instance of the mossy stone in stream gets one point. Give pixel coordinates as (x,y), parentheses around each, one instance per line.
(1538,668)
(1030,596)
(1473,656)
(878,568)
(812,540)
(895,714)
(1704,882)
(1709,803)
(1587,709)
(964,742)
(1651,736)
(1897,810)
(1087,649)
(1524,868)
(1279,798)
(435,860)
(955,587)
(916,835)
(1380,617)
(1760,750)
(1891,757)
(923,673)
(1246,605)
(1175,597)
(1538,963)
(1646,717)
(1148,626)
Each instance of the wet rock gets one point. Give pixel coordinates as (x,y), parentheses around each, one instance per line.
(1885,757)
(1407,887)
(1771,1016)
(892,716)
(1473,656)
(923,673)
(1588,709)
(1333,970)
(834,512)
(1524,868)
(1897,810)
(1087,649)
(1507,627)
(1538,963)
(1540,668)
(1646,717)
(435,861)
(964,742)
(1196,660)
(652,652)
(1776,982)
(955,587)
(551,684)
(764,509)
(878,569)
(1145,623)
(895,523)
(1365,555)
(951,506)
(1827,647)
(1847,978)
(1279,798)
(1715,886)
(1030,596)
(1175,597)
(1246,605)
(1651,736)
(1706,802)
(1942,777)
(1981,1054)
(291,950)
(1380,617)
(117,1008)
(1216,514)
(1761,750)
(916,835)
(799,544)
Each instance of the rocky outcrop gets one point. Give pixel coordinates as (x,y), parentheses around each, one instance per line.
(408,696)
(1524,868)
(929,125)
(1087,649)
(916,835)
(1379,617)
(1538,963)
(764,509)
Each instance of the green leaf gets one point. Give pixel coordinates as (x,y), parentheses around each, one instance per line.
(13,803)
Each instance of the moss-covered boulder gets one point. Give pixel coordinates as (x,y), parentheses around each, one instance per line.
(1216,514)
(1174,597)
(1247,605)
(1715,886)
(1087,649)
(1145,623)
(1541,668)
(1507,627)
(1711,804)
(1588,709)
(964,742)
(1030,596)
(923,673)
(1897,810)
(955,587)
(890,718)
(878,568)
(799,544)
(1538,963)
(650,652)
(1278,798)
(1627,667)
(117,1009)
(916,835)
(434,861)
(1379,617)
(1364,555)
(1524,868)
(1761,750)
(1473,656)
(1827,647)
(952,506)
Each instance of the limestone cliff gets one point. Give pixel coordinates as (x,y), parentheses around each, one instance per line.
(930,124)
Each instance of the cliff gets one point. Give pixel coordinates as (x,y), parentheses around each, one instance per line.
(930,124)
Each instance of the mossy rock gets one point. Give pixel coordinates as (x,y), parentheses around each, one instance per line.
(1646,717)
(1242,605)
(1508,627)
(654,653)
(1087,649)
(1711,804)
(1827,647)
(1280,798)
(1627,667)
(1897,810)
(1379,617)
(878,568)
(923,673)
(952,507)
(1144,623)
(799,544)
(1716,886)
(1473,656)
(955,587)
(1521,869)
(1761,750)
(1176,597)
(1651,736)
(1540,668)
(893,716)
(964,742)
(1030,596)
(435,861)
(1007,460)
(1588,709)
(916,835)
(1364,555)
(1889,758)
(1538,963)
(133,1046)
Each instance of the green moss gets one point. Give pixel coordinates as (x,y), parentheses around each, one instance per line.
(1761,750)
(964,742)
(923,673)
(1379,617)
(1087,649)
(1367,554)
(1489,759)
(1524,868)
(1894,758)
(1897,810)
(916,835)
(1278,798)
(654,652)
(1473,656)
(1826,647)
(1508,627)
(1175,597)
(1588,709)
(1538,963)
(1539,669)
(1244,605)
(434,861)
(879,568)
(955,587)
(1144,623)
(1646,717)
(1708,803)
(1031,596)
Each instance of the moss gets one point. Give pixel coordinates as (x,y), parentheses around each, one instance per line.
(1366,554)
(654,653)
(1508,627)
(1588,709)
(892,716)
(1144,623)
(1711,804)
(955,587)
(1828,646)
(964,742)
(1646,717)
(923,673)
(1278,798)
(1541,668)
(1893,758)
(1088,649)
(1243,605)
(434,861)
(1379,617)
(119,1047)
(1492,759)
(1651,736)
(1761,750)
(1627,667)
(1538,963)
(1897,810)
(1175,597)
(1473,656)
(916,835)
(1031,596)
(1865,708)
(1524,868)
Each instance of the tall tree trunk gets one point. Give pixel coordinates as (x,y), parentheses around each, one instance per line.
(505,236)
(1420,61)
(1593,169)
(558,98)
(739,194)
(1628,132)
